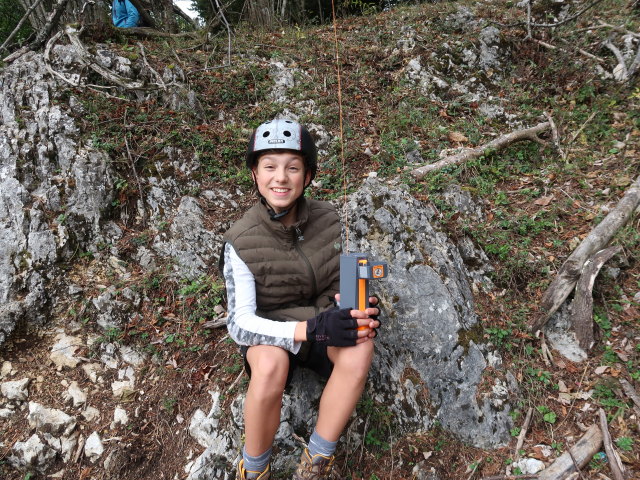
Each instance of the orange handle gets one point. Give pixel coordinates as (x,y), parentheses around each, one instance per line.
(362,292)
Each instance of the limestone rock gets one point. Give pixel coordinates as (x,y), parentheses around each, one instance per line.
(50,420)
(32,454)
(93,447)
(75,395)
(16,390)
(64,349)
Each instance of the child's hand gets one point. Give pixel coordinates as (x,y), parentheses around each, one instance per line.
(368,322)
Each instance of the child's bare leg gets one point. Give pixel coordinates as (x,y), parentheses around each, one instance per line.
(344,387)
(269,368)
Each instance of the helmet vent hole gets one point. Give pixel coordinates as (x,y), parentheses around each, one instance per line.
(286,133)
(266,134)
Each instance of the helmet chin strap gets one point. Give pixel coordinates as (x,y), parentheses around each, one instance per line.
(272,213)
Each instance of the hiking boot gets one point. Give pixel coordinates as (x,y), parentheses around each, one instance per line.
(249,475)
(317,468)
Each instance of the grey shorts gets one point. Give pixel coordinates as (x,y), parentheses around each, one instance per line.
(316,360)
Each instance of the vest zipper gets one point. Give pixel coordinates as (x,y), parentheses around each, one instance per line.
(296,242)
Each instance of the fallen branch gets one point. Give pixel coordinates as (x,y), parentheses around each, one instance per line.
(217,323)
(614,459)
(582,304)
(580,50)
(511,477)
(599,237)
(630,392)
(581,452)
(112,77)
(523,432)
(152,33)
(146,18)
(493,146)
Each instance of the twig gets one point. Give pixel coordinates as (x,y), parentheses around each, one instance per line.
(22,20)
(575,135)
(235,381)
(474,469)
(568,19)
(554,134)
(228,27)
(511,477)
(157,75)
(624,74)
(523,432)
(133,169)
(575,464)
(554,47)
(614,460)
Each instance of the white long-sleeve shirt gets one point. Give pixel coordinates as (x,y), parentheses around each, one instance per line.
(243,325)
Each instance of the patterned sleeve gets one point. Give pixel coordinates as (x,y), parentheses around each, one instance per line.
(244,326)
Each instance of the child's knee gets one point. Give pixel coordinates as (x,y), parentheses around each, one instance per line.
(270,367)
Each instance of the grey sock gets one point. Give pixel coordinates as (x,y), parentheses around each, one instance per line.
(318,445)
(256,464)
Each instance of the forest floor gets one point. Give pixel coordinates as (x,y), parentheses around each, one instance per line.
(539,203)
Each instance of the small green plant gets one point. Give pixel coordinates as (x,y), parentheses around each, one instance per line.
(548,415)
(168,404)
(625,443)
(515,431)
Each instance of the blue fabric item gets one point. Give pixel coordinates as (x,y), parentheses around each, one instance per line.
(256,464)
(124,14)
(318,445)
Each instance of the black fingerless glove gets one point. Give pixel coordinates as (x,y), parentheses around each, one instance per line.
(334,327)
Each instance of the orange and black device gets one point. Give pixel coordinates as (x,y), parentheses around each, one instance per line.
(356,269)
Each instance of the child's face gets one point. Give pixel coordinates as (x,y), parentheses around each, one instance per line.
(281,178)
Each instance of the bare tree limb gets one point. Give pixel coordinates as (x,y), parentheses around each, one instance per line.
(582,304)
(599,237)
(588,445)
(148,20)
(568,19)
(178,11)
(494,145)
(52,23)
(20,23)
(615,463)
(554,135)
(152,33)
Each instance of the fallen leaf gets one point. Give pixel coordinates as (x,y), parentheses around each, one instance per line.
(601,369)
(457,137)
(544,201)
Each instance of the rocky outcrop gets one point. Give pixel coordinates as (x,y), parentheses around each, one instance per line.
(54,190)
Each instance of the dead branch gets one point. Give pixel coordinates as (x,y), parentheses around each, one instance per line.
(568,19)
(20,23)
(582,452)
(580,50)
(554,135)
(599,237)
(575,135)
(148,20)
(178,11)
(52,23)
(151,69)
(152,33)
(112,77)
(523,432)
(614,459)
(630,392)
(493,146)
(582,304)
(217,323)
(511,477)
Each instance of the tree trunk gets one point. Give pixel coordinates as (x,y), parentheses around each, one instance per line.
(261,13)
(95,13)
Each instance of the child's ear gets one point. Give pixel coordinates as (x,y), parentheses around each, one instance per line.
(307,179)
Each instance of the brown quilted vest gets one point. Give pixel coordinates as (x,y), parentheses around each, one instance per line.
(297,268)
